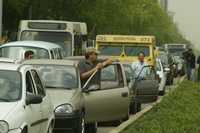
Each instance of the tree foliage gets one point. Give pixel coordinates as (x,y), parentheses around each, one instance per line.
(141,17)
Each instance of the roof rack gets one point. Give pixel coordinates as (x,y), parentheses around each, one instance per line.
(8,60)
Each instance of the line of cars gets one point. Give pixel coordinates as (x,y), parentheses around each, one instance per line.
(49,97)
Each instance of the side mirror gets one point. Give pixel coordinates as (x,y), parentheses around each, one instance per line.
(91,88)
(33,99)
(167,69)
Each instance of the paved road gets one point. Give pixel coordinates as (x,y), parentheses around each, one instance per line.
(108,129)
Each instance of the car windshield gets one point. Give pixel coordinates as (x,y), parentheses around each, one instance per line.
(111,50)
(135,50)
(57,76)
(64,39)
(18,52)
(176,51)
(10,86)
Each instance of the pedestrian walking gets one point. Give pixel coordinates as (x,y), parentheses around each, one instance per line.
(190,60)
(198,73)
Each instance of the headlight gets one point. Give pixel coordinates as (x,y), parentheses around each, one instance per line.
(65,108)
(3,127)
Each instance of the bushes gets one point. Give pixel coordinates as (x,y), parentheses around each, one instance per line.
(177,113)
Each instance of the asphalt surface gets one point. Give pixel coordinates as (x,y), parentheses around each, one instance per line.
(107,129)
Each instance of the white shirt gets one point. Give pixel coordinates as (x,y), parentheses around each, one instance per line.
(138,70)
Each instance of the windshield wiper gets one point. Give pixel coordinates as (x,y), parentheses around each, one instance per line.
(5,100)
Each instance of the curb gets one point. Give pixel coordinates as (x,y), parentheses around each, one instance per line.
(141,113)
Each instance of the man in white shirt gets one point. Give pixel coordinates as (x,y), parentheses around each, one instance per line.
(138,67)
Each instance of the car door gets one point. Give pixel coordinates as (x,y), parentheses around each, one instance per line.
(45,105)
(33,111)
(147,86)
(111,101)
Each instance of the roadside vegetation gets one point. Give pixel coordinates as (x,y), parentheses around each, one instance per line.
(179,112)
(140,17)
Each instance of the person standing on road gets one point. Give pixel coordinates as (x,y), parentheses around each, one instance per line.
(198,62)
(190,60)
(138,66)
(90,65)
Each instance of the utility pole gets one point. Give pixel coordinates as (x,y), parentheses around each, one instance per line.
(1,17)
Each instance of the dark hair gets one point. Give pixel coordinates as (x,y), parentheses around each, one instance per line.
(87,54)
(141,53)
(27,53)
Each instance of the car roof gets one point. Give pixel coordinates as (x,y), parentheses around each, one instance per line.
(36,44)
(49,62)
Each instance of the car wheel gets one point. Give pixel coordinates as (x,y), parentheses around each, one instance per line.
(162,93)
(135,107)
(91,128)
(81,128)
(127,116)
(50,129)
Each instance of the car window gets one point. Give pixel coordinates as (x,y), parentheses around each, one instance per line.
(128,72)
(56,53)
(17,52)
(29,84)
(111,77)
(109,73)
(40,88)
(60,54)
(10,86)
(52,54)
(147,73)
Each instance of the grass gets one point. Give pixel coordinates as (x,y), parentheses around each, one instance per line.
(179,112)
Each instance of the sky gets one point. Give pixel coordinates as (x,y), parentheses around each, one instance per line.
(187,17)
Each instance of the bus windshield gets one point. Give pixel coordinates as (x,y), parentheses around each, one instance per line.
(64,39)
(176,51)
(118,49)
(111,50)
(135,50)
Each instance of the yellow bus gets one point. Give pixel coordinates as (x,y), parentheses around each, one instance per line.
(126,47)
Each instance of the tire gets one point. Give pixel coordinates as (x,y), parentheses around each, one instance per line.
(162,93)
(91,128)
(127,116)
(81,128)
(135,107)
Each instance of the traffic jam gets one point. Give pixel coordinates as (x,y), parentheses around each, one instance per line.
(54,80)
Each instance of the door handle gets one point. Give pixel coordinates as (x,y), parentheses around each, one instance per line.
(124,94)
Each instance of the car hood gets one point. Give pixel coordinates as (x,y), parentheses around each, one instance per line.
(60,96)
(6,108)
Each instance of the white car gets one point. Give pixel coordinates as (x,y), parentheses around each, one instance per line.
(162,76)
(24,105)
(41,50)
